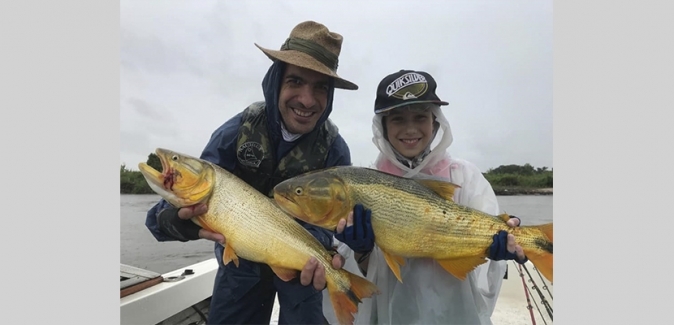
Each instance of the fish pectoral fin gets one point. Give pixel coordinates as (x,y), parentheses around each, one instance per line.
(229,255)
(394,263)
(460,267)
(443,188)
(199,221)
(284,273)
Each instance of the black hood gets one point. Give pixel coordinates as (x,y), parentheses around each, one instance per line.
(271,87)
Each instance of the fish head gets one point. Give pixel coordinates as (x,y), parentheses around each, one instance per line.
(318,198)
(183,181)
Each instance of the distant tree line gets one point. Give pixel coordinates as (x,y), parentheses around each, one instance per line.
(505,177)
(519,176)
(133,182)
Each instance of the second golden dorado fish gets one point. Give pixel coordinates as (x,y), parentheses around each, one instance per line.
(410,217)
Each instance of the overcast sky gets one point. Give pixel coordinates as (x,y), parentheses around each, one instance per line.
(188,66)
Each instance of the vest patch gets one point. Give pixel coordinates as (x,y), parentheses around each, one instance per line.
(250,154)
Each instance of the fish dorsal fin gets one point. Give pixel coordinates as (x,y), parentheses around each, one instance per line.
(443,188)
(504,217)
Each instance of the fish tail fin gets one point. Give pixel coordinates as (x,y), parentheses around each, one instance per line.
(362,287)
(543,262)
(541,254)
(547,230)
(345,300)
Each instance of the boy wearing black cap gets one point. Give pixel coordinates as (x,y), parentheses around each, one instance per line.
(408,117)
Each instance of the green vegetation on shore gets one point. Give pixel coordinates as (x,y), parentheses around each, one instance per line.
(133,182)
(520,180)
(505,179)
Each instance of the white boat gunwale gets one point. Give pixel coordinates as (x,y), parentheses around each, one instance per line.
(175,292)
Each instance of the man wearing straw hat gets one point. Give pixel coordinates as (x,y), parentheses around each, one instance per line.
(283,136)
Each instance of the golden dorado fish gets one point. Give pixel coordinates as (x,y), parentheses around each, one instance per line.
(410,217)
(254,227)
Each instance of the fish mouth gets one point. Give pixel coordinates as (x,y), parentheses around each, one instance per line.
(284,200)
(154,176)
(289,206)
(160,182)
(183,181)
(169,174)
(166,178)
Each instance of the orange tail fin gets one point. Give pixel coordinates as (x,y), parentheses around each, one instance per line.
(541,255)
(547,230)
(345,301)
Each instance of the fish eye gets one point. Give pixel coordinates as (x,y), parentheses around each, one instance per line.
(298,191)
(174,158)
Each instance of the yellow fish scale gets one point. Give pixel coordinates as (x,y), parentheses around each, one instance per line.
(234,211)
(255,228)
(410,217)
(412,220)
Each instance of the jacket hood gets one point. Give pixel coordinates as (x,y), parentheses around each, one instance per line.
(271,88)
(436,151)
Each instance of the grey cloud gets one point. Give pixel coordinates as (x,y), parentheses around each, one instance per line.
(187,67)
(143,108)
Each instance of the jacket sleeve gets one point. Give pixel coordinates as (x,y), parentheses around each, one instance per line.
(476,192)
(151,221)
(220,150)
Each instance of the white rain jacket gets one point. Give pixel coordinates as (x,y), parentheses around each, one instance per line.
(429,295)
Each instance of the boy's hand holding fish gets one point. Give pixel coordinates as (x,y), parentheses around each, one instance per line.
(356,232)
(505,247)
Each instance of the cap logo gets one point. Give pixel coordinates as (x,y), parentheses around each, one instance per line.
(407,86)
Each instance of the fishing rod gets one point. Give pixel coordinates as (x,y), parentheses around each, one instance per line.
(537,308)
(526,293)
(544,301)
(545,286)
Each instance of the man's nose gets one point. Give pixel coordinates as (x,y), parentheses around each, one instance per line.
(306,96)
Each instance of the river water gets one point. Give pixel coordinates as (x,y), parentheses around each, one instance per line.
(140,249)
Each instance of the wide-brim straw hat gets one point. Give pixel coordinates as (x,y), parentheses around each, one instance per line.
(312,46)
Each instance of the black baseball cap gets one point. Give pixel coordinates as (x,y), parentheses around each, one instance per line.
(405,87)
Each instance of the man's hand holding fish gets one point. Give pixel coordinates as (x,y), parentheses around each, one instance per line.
(177,222)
